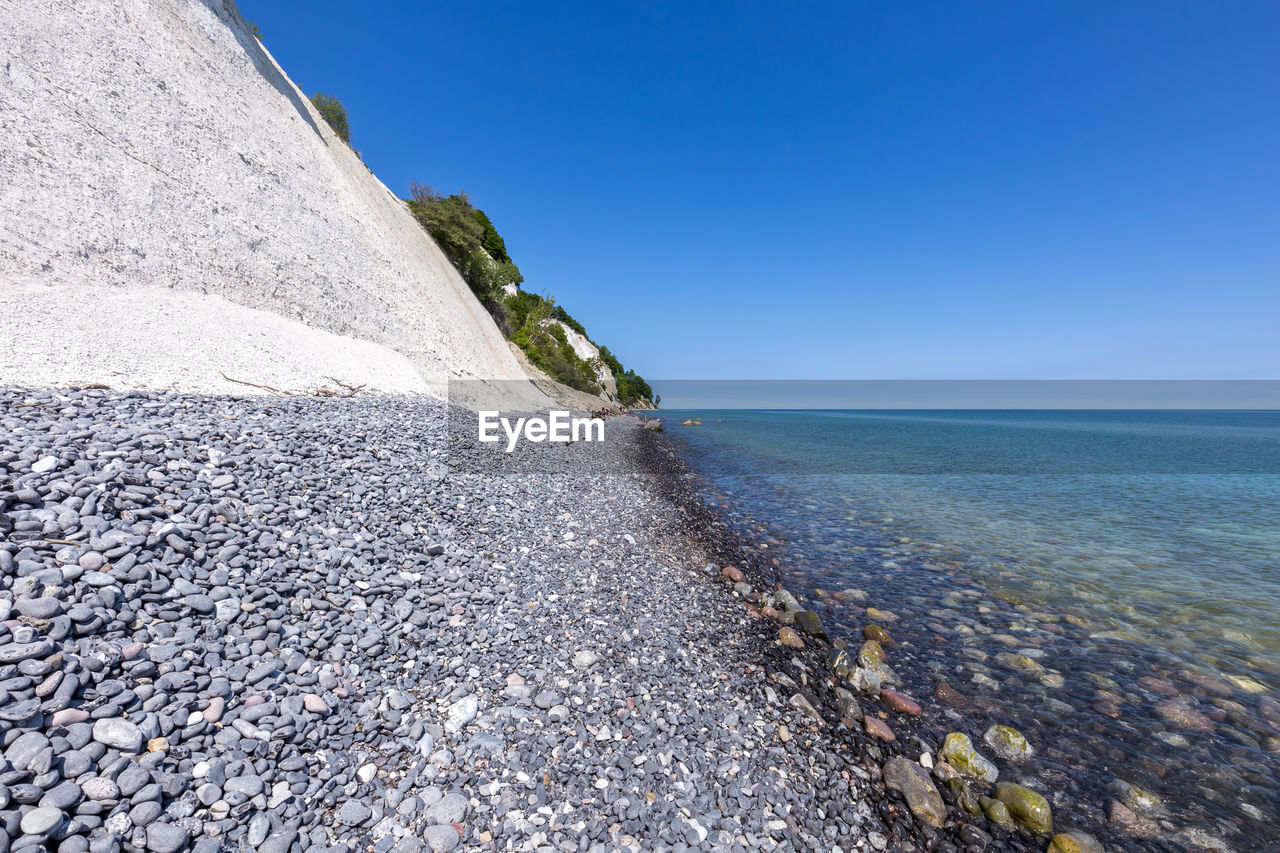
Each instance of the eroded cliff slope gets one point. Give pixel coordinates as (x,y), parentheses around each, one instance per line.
(173,209)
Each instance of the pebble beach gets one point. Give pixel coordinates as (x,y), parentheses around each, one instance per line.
(304,624)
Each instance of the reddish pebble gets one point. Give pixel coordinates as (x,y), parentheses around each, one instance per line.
(49,685)
(878,728)
(69,716)
(213,713)
(315,704)
(1161,686)
(899,703)
(255,699)
(733,573)
(131,651)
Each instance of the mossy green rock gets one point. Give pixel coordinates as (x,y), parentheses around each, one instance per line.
(808,622)
(1075,842)
(964,797)
(1028,808)
(1008,743)
(957,750)
(875,632)
(871,654)
(997,813)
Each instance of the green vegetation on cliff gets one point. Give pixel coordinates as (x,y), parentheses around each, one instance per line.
(467,236)
(474,247)
(333,112)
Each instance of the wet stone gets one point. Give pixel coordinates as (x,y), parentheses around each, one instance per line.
(913,782)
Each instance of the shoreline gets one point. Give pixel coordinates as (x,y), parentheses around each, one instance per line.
(1128,818)
(811,669)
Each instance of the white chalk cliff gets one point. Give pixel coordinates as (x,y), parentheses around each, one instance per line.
(590,353)
(173,209)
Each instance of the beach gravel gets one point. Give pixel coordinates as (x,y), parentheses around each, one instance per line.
(309,624)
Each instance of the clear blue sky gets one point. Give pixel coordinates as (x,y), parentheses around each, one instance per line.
(847,190)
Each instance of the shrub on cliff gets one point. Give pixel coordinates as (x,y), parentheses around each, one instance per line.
(334,113)
(462,231)
(472,244)
(531,317)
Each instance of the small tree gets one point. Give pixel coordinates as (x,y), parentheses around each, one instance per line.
(333,112)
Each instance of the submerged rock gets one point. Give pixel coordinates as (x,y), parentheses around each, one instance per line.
(899,703)
(947,694)
(1179,714)
(1008,743)
(1075,842)
(964,795)
(1029,809)
(877,634)
(912,781)
(957,750)
(1129,822)
(998,813)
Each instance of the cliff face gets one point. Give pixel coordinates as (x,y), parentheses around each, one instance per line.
(153,148)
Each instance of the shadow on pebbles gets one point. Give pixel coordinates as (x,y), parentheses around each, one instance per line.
(289,624)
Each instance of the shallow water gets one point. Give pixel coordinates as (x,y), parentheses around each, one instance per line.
(1083,576)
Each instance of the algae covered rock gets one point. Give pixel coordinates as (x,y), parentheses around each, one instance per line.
(1075,842)
(964,796)
(878,634)
(1028,808)
(1008,743)
(957,750)
(871,654)
(871,660)
(913,782)
(808,622)
(997,813)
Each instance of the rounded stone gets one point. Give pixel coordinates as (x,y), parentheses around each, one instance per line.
(118,733)
(441,838)
(166,838)
(41,821)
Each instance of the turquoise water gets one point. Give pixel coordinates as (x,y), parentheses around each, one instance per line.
(1134,556)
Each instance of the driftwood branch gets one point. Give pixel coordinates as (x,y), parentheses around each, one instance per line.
(256,385)
(349,390)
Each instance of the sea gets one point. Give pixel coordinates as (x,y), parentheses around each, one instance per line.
(1107,582)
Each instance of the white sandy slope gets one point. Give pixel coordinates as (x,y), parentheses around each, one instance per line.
(188,213)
